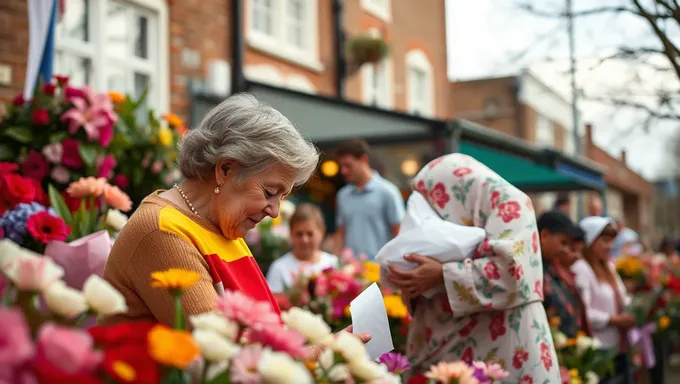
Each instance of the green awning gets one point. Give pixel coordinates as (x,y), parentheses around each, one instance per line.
(522,172)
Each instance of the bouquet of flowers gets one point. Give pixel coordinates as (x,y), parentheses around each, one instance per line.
(459,372)
(582,359)
(25,216)
(145,148)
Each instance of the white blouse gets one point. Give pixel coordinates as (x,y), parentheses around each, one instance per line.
(600,302)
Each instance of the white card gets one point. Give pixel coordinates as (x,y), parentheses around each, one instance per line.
(370,316)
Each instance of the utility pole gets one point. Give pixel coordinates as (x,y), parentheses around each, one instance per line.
(574,96)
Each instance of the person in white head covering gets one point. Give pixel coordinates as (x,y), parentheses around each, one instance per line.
(626,243)
(603,292)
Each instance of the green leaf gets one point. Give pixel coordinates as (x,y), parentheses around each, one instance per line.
(88,153)
(57,137)
(59,205)
(20,133)
(6,152)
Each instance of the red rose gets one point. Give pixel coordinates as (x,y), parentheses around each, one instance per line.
(106,166)
(40,195)
(71,157)
(491,271)
(468,356)
(40,116)
(439,196)
(497,326)
(71,93)
(462,171)
(508,211)
(18,100)
(61,80)
(45,228)
(6,168)
(49,89)
(546,356)
(36,166)
(520,357)
(135,357)
(16,189)
(495,197)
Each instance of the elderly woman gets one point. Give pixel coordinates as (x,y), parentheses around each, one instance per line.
(238,165)
(488,306)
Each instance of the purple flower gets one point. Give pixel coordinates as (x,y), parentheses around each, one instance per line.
(395,362)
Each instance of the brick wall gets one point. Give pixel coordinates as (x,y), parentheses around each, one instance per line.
(13,45)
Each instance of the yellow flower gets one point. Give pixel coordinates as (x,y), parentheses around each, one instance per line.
(311,365)
(395,307)
(171,347)
(116,97)
(174,279)
(124,370)
(664,322)
(175,122)
(347,311)
(371,272)
(580,334)
(573,373)
(571,342)
(165,136)
(555,321)
(277,221)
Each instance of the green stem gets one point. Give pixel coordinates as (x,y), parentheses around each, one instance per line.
(82,318)
(27,302)
(204,375)
(7,297)
(179,314)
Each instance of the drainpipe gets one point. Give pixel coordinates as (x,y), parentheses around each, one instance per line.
(238,81)
(519,113)
(340,60)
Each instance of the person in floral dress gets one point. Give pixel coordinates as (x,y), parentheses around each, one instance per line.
(488,307)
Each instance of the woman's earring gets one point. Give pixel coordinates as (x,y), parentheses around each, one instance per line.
(217,190)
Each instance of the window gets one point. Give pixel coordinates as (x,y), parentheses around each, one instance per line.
(287,29)
(569,146)
(381,9)
(545,135)
(420,83)
(116,46)
(377,84)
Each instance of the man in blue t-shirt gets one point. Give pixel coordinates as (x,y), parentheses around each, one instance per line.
(369,208)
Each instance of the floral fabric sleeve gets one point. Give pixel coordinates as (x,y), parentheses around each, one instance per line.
(506,270)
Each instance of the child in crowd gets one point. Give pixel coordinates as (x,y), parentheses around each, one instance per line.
(307,230)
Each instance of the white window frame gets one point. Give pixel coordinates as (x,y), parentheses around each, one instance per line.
(569,146)
(416,59)
(381,9)
(278,45)
(385,96)
(159,88)
(265,74)
(545,133)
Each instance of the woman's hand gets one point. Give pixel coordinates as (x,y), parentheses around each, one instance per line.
(315,350)
(624,321)
(427,275)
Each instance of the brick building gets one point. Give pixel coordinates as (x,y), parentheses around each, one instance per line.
(170,45)
(524,107)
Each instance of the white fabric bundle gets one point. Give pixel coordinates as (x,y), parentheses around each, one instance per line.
(424,232)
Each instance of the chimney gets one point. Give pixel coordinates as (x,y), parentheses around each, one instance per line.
(623,157)
(589,133)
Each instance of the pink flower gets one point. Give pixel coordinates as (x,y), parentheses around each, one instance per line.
(439,196)
(321,285)
(339,306)
(15,341)
(157,167)
(491,271)
(83,115)
(106,166)
(509,211)
(71,93)
(106,134)
(546,356)
(281,339)
(53,152)
(116,198)
(462,171)
(67,349)
(33,273)
(244,365)
(86,187)
(60,174)
(446,372)
(492,371)
(40,116)
(71,157)
(35,166)
(238,307)
(122,182)
(146,160)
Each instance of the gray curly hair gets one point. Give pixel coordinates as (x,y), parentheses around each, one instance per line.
(250,132)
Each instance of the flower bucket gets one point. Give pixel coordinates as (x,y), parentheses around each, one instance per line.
(82,257)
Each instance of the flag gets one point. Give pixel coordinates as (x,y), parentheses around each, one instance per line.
(42,19)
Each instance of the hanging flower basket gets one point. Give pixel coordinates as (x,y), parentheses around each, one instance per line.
(367,49)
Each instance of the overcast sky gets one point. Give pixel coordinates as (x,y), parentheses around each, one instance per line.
(495,37)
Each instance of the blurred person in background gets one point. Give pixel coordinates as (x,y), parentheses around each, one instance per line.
(576,246)
(603,293)
(561,297)
(562,204)
(626,243)
(307,229)
(667,249)
(369,208)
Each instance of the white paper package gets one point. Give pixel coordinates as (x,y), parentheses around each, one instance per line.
(424,232)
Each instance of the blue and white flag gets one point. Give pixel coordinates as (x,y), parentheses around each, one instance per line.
(42,20)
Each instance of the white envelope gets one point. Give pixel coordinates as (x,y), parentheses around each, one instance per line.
(370,316)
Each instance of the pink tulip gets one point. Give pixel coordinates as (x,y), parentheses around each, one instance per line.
(68,349)
(33,273)
(15,341)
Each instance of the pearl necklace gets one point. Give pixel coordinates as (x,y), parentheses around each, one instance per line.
(186,200)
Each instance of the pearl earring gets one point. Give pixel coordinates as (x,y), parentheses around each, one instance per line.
(217,190)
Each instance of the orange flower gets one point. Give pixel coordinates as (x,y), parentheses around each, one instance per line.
(116,198)
(171,347)
(87,187)
(175,122)
(116,97)
(174,279)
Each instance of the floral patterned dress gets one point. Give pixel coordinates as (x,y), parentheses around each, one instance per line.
(490,306)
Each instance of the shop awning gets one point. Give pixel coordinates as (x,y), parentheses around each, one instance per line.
(529,175)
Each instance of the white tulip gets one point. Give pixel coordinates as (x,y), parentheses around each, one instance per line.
(213,346)
(9,251)
(367,370)
(311,326)
(350,347)
(65,301)
(560,340)
(215,322)
(102,297)
(30,272)
(280,368)
(116,219)
(592,378)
